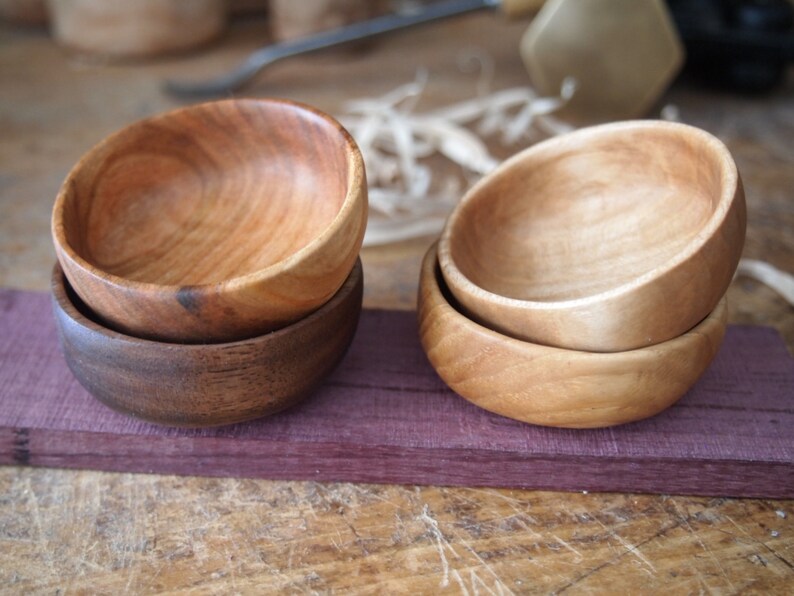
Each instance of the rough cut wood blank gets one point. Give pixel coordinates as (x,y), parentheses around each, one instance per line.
(385,416)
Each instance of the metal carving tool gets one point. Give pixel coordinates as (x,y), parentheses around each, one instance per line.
(357,31)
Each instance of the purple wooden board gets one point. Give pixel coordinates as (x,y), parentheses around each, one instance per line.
(384,416)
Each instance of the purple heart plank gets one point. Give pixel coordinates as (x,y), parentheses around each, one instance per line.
(385,416)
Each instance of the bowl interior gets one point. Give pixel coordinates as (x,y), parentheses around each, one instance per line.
(588,213)
(207,193)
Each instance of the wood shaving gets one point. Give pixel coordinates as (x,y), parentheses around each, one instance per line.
(407,202)
(406,199)
(780,281)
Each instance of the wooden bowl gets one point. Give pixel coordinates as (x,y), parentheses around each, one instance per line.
(607,239)
(214,222)
(205,385)
(139,29)
(551,386)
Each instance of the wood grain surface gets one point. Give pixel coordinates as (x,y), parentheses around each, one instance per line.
(215,222)
(205,384)
(551,386)
(111,533)
(384,416)
(611,238)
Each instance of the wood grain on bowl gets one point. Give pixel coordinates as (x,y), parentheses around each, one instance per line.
(212,384)
(607,239)
(552,386)
(214,222)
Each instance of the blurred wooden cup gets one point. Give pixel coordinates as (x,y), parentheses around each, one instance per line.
(290,19)
(143,28)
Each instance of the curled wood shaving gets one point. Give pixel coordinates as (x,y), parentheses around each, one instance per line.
(671,113)
(761,271)
(406,200)
(780,281)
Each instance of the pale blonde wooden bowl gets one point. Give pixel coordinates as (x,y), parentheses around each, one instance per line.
(551,386)
(215,222)
(607,239)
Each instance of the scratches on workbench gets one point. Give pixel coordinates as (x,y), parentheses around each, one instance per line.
(33,505)
(568,546)
(124,533)
(633,549)
(616,559)
(442,544)
(684,517)
(461,584)
(763,544)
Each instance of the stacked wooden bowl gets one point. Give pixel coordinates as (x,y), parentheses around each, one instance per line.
(582,283)
(208,261)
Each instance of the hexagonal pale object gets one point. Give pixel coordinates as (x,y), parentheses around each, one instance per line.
(622,53)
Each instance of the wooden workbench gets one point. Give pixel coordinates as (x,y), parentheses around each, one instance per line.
(90,532)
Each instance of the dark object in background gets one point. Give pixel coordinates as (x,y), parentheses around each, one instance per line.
(26,13)
(742,45)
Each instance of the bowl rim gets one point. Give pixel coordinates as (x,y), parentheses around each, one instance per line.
(564,400)
(60,288)
(432,279)
(730,184)
(356,181)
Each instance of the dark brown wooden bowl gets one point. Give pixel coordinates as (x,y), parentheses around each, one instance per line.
(215,222)
(212,384)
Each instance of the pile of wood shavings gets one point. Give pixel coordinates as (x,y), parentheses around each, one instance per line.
(405,199)
(769,275)
(404,202)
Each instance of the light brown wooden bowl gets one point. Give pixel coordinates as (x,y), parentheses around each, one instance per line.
(607,239)
(214,222)
(206,385)
(551,386)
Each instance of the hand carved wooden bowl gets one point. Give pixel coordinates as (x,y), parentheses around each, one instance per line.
(552,386)
(607,239)
(212,384)
(214,222)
